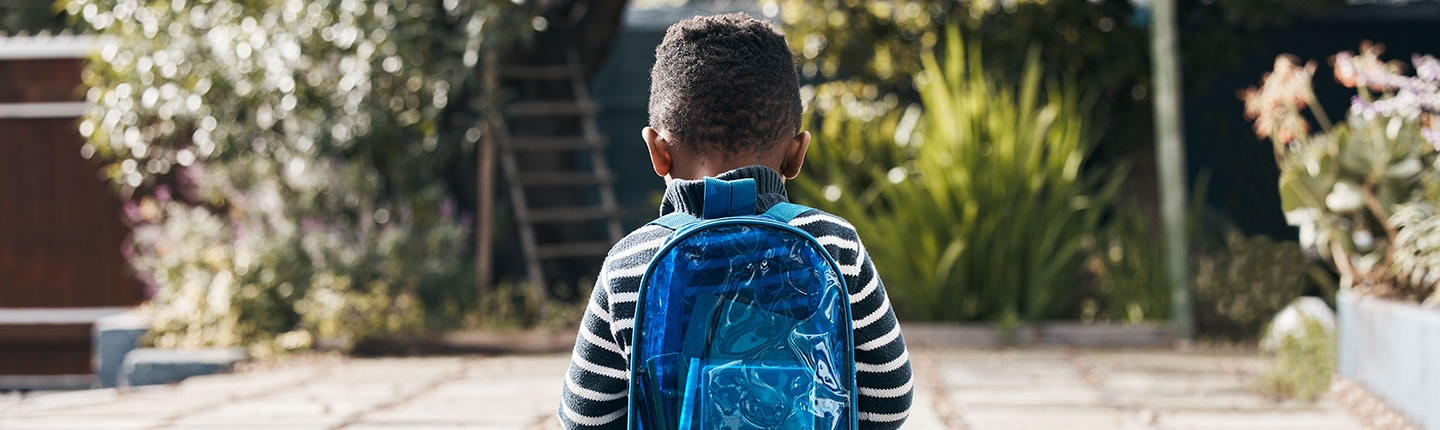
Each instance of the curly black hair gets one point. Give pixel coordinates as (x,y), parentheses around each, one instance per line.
(725,85)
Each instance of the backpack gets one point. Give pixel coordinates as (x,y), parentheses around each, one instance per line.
(742,322)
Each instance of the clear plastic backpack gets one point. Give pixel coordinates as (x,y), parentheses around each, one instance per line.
(742,322)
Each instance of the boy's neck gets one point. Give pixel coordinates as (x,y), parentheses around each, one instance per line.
(692,166)
(686,196)
(702,170)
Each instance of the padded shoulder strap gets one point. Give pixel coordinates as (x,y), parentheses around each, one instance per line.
(675,221)
(729,198)
(786,211)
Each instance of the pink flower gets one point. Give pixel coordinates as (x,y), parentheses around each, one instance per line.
(1275,106)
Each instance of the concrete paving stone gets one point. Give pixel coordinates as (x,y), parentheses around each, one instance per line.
(1266,420)
(962,373)
(251,383)
(430,426)
(922,410)
(495,383)
(994,380)
(1146,384)
(1039,395)
(122,407)
(384,368)
(542,365)
(404,386)
(257,423)
(511,422)
(987,389)
(77,423)
(60,400)
(275,412)
(1048,418)
(247,426)
(1036,368)
(411,425)
(477,404)
(1173,362)
(9,401)
(1229,402)
(378,391)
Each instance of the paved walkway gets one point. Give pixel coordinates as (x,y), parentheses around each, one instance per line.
(964,389)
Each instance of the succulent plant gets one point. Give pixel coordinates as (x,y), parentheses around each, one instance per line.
(1363,191)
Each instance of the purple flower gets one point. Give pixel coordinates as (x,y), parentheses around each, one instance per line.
(1427,67)
(310,225)
(1368,71)
(447,208)
(131,212)
(1432,134)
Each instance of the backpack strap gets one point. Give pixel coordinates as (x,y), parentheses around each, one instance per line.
(786,211)
(728,198)
(675,220)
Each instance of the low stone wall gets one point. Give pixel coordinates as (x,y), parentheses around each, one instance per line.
(154,366)
(1393,349)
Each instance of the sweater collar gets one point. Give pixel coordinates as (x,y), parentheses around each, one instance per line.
(688,196)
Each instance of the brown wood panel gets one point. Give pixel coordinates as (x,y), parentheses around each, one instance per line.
(51,80)
(45,349)
(60,227)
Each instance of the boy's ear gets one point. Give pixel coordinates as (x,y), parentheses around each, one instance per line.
(795,155)
(659,151)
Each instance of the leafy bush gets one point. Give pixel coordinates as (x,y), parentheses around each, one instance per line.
(1128,272)
(982,214)
(1303,365)
(282,159)
(1240,287)
(515,305)
(1361,191)
(1103,45)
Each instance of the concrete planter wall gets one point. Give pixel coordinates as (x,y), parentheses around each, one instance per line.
(1393,349)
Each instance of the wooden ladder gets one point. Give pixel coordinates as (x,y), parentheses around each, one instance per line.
(584,145)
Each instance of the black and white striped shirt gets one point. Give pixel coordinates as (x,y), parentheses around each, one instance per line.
(596,386)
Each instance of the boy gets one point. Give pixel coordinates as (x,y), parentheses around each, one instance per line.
(725,103)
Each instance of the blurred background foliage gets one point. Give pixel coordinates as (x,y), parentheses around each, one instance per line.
(1240,285)
(1102,44)
(282,160)
(987,187)
(974,246)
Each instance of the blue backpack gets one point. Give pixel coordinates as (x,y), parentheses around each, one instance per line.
(742,322)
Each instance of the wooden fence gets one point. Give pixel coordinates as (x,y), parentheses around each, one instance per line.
(60,225)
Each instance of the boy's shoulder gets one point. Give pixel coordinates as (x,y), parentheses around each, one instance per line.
(637,247)
(816,220)
(641,245)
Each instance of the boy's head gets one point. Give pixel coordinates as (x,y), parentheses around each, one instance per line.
(723,95)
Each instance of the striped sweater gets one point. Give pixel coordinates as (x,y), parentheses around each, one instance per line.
(596,387)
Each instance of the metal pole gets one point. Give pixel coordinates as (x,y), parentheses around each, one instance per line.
(1170,160)
(485,185)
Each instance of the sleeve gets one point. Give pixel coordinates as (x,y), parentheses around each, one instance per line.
(596,388)
(882,363)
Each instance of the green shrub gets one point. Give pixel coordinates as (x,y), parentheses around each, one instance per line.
(986,211)
(283,159)
(1303,365)
(1241,286)
(520,306)
(1128,269)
